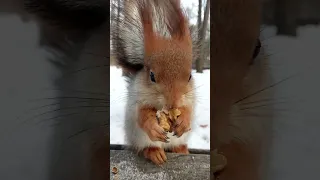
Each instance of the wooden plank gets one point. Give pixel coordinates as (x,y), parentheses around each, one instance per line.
(126,147)
(178,167)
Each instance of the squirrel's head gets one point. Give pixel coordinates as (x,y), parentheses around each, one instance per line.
(168,61)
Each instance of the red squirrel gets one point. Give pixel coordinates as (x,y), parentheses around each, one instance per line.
(154,45)
(239,126)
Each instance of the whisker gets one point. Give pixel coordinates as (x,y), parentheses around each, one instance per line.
(85,130)
(79,132)
(135,103)
(12,130)
(56,117)
(48,105)
(265,105)
(193,89)
(93,54)
(36,108)
(264,89)
(88,68)
(251,114)
(73,90)
(82,91)
(68,97)
(199,97)
(266,112)
(262,100)
(59,109)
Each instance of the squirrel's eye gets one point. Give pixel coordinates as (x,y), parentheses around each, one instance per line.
(152,77)
(189,77)
(256,51)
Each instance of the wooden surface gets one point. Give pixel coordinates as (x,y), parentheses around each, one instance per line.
(178,167)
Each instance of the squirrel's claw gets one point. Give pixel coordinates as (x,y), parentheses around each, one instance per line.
(156,133)
(182,126)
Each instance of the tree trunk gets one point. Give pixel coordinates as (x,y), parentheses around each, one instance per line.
(112,13)
(198,63)
(286,12)
(199,16)
(202,36)
(118,12)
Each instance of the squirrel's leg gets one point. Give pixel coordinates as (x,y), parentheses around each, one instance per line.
(148,123)
(182,149)
(155,154)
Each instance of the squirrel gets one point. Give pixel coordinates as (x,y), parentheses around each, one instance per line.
(152,42)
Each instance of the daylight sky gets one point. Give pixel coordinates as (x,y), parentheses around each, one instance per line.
(193,4)
(189,4)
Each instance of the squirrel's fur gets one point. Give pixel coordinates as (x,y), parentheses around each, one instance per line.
(74,14)
(154,36)
(127,35)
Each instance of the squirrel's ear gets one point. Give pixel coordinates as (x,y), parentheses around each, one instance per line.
(177,22)
(146,20)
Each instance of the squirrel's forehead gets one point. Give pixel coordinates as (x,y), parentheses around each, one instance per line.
(170,58)
(167,71)
(170,66)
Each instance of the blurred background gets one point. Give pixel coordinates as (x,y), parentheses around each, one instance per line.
(53,103)
(290,34)
(44,146)
(289,15)
(198,13)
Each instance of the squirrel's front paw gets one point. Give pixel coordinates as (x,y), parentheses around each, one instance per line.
(155,154)
(183,123)
(156,133)
(149,123)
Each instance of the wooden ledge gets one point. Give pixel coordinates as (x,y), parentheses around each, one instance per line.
(178,167)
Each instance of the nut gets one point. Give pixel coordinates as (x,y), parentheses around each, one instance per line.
(114,170)
(167,118)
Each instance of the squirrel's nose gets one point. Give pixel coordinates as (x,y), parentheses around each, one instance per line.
(173,100)
(172,105)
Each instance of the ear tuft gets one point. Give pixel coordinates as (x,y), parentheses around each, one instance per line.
(145,11)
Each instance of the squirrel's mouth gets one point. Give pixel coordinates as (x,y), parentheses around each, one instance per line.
(175,104)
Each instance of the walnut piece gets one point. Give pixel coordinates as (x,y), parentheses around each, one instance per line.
(163,121)
(167,118)
(115,170)
(174,114)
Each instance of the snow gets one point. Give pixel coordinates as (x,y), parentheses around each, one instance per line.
(295,125)
(200,135)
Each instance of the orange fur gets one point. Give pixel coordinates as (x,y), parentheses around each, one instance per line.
(155,154)
(183,123)
(234,31)
(182,149)
(170,59)
(172,69)
(148,34)
(149,123)
(177,25)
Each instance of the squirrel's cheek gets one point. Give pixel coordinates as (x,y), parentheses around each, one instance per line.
(161,100)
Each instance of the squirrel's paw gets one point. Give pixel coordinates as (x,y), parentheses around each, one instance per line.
(155,154)
(182,125)
(157,133)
